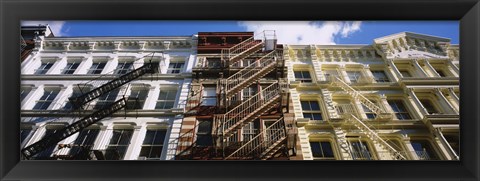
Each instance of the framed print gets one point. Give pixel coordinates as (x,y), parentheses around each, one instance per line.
(240,90)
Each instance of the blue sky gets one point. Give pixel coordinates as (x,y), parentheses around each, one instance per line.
(291,32)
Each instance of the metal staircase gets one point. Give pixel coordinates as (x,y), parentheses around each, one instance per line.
(397,155)
(241,50)
(249,74)
(381,113)
(264,145)
(51,140)
(79,101)
(248,110)
(348,112)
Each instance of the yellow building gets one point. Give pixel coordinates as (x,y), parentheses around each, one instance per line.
(396,99)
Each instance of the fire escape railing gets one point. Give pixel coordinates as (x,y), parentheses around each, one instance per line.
(235,52)
(51,140)
(251,107)
(79,101)
(258,146)
(357,95)
(375,137)
(348,112)
(249,74)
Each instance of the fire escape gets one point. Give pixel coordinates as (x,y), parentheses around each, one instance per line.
(79,102)
(234,116)
(364,126)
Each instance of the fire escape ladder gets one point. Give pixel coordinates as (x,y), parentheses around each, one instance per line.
(249,109)
(358,96)
(249,74)
(375,138)
(264,144)
(80,101)
(51,140)
(241,50)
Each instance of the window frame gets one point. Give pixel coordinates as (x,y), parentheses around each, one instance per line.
(303,79)
(110,146)
(123,67)
(406,111)
(323,157)
(380,79)
(46,100)
(311,111)
(165,101)
(152,144)
(96,70)
(173,70)
(68,68)
(44,67)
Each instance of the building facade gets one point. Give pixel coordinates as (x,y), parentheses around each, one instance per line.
(396,99)
(240,96)
(146,127)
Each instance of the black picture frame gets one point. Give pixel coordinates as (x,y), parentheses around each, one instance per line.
(13,11)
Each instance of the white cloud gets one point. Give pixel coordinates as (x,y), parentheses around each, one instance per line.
(55,26)
(305,32)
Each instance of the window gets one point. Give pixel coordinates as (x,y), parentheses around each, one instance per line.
(153,143)
(166,99)
(204,133)
(213,62)
(311,109)
(71,67)
(405,73)
(106,99)
(118,144)
(453,141)
(303,76)
(399,108)
(249,131)
(440,72)
(249,92)
(46,153)
(360,150)
(423,150)
(24,92)
(137,98)
(330,73)
(123,68)
(47,98)
(380,76)
(354,76)
(97,68)
(427,104)
(44,67)
(322,150)
(209,97)
(175,67)
(369,113)
(78,90)
(83,144)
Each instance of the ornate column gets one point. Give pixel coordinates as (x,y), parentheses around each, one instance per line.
(419,109)
(419,68)
(427,64)
(395,72)
(441,97)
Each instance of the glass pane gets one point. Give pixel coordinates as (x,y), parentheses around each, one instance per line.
(327,149)
(316,150)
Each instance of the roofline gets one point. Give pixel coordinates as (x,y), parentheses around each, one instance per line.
(411,34)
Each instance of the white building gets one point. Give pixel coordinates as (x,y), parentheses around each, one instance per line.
(59,68)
